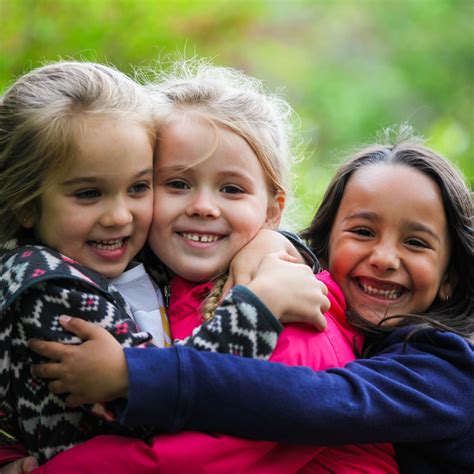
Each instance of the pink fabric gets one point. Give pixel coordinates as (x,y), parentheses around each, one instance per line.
(184,312)
(298,344)
(12,452)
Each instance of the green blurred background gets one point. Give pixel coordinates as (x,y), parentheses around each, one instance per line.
(348,67)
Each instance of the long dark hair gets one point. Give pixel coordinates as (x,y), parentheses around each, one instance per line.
(455,314)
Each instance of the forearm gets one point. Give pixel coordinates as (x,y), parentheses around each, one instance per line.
(242,325)
(391,397)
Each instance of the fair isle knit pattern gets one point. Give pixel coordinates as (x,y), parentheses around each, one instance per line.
(37,285)
(239,328)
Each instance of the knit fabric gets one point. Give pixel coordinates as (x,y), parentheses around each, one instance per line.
(37,286)
(238,327)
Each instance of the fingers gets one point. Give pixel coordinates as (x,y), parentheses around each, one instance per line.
(29,464)
(73,401)
(49,371)
(20,466)
(283,255)
(325,304)
(324,289)
(318,320)
(49,349)
(84,329)
(57,387)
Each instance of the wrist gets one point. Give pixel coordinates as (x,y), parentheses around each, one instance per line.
(266,294)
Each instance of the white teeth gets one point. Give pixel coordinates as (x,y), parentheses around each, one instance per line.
(200,237)
(107,244)
(391,294)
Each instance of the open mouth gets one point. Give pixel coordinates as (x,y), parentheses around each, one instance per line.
(385,291)
(205,238)
(108,244)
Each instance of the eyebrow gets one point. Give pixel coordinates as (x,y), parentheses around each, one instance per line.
(180,169)
(95,179)
(370,216)
(411,225)
(418,226)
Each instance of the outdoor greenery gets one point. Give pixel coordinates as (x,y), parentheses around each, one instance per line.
(349,67)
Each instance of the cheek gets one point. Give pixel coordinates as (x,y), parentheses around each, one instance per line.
(146,214)
(427,275)
(339,258)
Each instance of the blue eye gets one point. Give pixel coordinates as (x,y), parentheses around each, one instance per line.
(232,189)
(140,188)
(87,194)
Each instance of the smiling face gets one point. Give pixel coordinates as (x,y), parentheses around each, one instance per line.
(389,244)
(99,210)
(211,198)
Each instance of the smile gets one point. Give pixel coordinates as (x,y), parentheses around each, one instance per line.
(107,244)
(387,291)
(206,238)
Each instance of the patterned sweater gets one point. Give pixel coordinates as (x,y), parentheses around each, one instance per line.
(37,285)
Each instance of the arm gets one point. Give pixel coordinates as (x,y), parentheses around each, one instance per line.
(78,368)
(245,325)
(242,325)
(34,315)
(417,394)
(245,267)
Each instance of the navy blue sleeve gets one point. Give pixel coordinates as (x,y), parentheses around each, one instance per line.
(407,393)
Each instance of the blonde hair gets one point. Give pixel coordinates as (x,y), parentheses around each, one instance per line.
(40,115)
(226,97)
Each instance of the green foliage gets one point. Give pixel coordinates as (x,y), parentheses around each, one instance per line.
(349,67)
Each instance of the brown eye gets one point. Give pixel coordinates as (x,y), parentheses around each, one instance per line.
(87,194)
(139,188)
(417,243)
(231,189)
(362,231)
(177,184)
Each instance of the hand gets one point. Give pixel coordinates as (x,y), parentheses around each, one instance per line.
(20,466)
(291,291)
(78,369)
(245,263)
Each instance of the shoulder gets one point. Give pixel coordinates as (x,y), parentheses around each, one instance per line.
(30,265)
(302,344)
(428,342)
(431,357)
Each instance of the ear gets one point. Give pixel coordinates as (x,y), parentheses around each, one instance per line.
(447,286)
(275,209)
(27,218)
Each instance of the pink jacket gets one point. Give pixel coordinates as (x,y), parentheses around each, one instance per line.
(298,344)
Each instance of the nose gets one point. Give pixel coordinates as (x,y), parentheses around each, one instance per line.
(117,213)
(202,203)
(384,257)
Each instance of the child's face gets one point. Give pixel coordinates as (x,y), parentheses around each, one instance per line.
(389,244)
(99,210)
(211,198)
